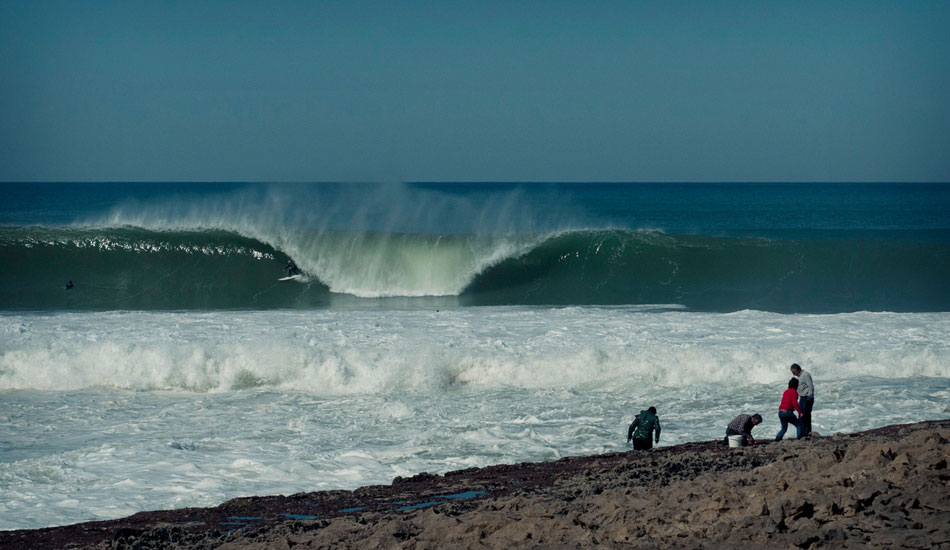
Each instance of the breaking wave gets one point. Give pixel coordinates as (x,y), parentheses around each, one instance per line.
(116,268)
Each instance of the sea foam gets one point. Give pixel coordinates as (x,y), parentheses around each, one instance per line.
(334,352)
(102,410)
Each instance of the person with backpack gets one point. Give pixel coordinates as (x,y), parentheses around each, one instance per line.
(641,429)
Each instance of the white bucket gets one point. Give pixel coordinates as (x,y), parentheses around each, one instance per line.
(736,441)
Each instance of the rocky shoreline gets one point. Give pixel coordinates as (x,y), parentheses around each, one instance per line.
(884,488)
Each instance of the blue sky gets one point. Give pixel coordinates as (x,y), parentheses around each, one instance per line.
(474,91)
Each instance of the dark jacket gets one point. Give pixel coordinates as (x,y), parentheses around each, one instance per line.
(643,424)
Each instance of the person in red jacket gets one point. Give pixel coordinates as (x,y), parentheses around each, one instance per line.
(787,409)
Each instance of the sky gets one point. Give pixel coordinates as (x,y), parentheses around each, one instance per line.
(474,91)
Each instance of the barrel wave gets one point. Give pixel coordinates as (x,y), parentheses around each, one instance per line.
(704,273)
(121,268)
(130,268)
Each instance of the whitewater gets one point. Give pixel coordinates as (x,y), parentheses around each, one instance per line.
(438,327)
(108,414)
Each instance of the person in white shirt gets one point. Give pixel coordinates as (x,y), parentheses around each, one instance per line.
(806,397)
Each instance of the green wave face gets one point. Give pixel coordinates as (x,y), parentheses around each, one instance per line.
(129,268)
(721,274)
(139,269)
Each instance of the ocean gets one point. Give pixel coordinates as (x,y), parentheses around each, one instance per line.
(438,327)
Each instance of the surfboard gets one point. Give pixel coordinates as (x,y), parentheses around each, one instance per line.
(297,276)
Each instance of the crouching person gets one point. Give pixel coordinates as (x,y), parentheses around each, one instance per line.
(742,426)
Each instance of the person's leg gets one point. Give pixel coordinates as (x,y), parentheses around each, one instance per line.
(805,403)
(811,405)
(782,419)
(802,404)
(642,444)
(787,417)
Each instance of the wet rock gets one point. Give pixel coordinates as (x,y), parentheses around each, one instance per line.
(883,488)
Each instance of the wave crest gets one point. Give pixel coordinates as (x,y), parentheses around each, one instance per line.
(135,268)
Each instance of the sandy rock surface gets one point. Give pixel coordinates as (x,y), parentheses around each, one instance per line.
(886,488)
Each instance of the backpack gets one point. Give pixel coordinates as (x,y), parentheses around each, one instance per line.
(644,425)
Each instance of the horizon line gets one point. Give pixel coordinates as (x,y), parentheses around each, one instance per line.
(490,182)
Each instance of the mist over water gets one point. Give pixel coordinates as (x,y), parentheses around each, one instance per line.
(368,240)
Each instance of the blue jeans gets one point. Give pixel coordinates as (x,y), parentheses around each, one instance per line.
(786,418)
(805,404)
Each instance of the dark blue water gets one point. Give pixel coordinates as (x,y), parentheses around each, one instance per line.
(747,209)
(710,247)
(921,210)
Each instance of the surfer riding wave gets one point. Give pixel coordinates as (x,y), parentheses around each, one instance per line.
(292,268)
